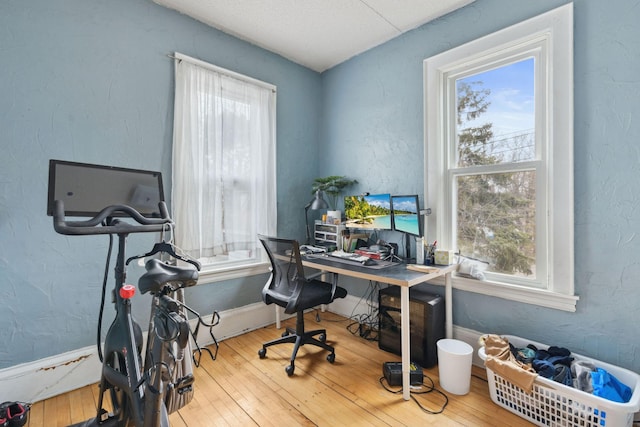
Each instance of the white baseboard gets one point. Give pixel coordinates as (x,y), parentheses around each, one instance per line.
(51,376)
(44,378)
(471,337)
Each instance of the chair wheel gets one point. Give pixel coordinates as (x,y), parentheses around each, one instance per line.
(289,370)
(262,353)
(284,334)
(331,357)
(322,337)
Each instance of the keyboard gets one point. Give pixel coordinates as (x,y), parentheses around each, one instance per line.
(347,256)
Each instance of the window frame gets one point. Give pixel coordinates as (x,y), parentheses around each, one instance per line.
(549,39)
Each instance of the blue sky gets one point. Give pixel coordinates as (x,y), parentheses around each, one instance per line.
(512,97)
(383,200)
(405,203)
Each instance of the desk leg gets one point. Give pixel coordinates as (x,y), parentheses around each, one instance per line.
(448,305)
(405,340)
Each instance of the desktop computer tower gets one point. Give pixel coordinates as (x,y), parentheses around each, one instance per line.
(426,316)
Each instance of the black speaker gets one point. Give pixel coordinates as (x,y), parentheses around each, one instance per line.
(426,317)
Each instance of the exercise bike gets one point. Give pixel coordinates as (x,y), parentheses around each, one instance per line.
(143,391)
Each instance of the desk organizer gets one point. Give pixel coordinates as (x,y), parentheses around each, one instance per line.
(554,404)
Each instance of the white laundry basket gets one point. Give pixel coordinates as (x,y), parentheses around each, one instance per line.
(554,404)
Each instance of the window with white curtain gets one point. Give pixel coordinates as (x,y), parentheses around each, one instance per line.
(499,159)
(224,167)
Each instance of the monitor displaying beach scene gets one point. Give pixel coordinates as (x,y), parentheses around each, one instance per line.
(368,211)
(406,214)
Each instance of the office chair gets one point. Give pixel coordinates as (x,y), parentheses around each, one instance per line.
(288,288)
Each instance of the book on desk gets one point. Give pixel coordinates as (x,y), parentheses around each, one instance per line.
(371,253)
(422,268)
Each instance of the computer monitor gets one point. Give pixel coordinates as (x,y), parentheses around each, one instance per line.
(368,211)
(406,215)
(86,189)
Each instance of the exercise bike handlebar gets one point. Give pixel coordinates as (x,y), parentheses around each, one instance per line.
(96,224)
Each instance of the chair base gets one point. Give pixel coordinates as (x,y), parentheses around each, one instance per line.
(300,337)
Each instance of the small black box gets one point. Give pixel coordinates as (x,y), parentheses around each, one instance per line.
(392,372)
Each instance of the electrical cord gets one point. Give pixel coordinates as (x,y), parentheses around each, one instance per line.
(366,324)
(364,328)
(431,388)
(104,291)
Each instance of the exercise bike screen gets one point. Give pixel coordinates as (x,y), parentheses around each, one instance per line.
(86,189)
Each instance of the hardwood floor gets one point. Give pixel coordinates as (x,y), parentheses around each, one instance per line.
(240,389)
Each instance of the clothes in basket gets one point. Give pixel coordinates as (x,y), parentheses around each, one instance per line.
(555,363)
(552,403)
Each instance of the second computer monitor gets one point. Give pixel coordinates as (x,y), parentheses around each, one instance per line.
(406,214)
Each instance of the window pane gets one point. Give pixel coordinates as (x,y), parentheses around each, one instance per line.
(224,179)
(496,119)
(496,221)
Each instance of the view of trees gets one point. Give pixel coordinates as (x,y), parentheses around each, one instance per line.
(495,211)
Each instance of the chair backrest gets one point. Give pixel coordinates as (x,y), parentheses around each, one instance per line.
(287,276)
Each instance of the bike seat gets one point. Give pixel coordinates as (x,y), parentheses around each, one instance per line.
(159,274)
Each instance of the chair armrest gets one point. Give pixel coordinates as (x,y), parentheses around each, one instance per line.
(334,285)
(334,281)
(315,275)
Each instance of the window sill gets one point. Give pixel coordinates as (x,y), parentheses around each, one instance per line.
(211,273)
(526,295)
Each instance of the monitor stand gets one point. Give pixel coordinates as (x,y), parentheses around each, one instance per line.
(407,242)
(392,255)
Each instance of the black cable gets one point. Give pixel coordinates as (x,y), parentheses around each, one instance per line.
(366,324)
(104,291)
(431,388)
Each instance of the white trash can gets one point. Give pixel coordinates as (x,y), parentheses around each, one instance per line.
(454,365)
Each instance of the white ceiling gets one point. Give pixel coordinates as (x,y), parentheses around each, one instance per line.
(317,34)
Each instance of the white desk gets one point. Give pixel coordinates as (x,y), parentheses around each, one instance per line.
(397,275)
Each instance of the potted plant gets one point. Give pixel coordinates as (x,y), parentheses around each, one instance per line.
(332,186)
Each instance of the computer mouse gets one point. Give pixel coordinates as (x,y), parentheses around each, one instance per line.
(369,262)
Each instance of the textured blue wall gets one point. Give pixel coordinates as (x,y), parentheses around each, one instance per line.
(90,81)
(372,127)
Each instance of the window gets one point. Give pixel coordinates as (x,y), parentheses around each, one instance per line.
(499,156)
(224,185)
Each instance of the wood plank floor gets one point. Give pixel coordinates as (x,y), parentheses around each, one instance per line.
(240,389)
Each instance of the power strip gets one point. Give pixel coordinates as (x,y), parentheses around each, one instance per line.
(392,372)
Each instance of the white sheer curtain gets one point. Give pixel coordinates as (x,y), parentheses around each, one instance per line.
(224,178)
